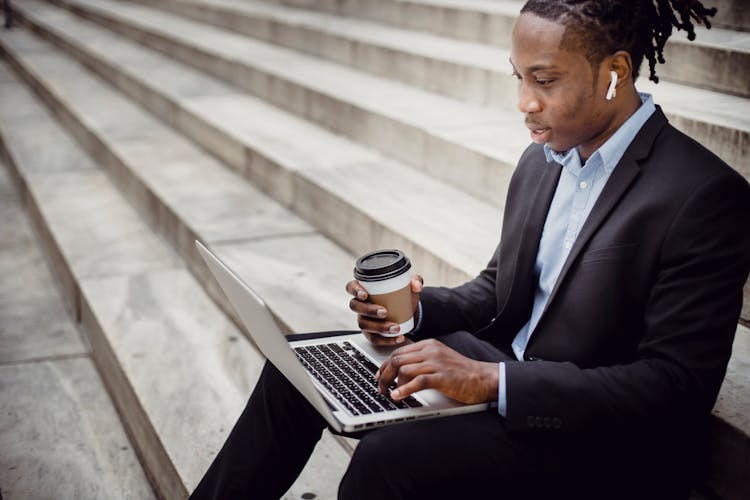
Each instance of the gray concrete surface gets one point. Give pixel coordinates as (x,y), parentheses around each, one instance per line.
(417,127)
(59,433)
(153,322)
(185,192)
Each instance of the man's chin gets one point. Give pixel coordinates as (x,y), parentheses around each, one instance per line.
(559,147)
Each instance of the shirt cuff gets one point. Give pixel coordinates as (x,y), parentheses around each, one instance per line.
(419,321)
(501,397)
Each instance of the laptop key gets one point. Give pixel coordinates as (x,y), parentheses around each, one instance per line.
(386,402)
(349,376)
(373,405)
(362,409)
(411,402)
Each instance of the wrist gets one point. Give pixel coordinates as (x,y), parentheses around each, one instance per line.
(490,381)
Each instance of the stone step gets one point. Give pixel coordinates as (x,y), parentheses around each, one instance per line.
(184,193)
(719,59)
(417,127)
(470,71)
(221,126)
(327,180)
(425,130)
(732,14)
(488,21)
(464,70)
(277,258)
(61,435)
(178,370)
(51,395)
(34,322)
(728,453)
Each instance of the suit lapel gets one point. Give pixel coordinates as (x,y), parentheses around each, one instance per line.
(616,186)
(532,231)
(516,271)
(622,177)
(527,245)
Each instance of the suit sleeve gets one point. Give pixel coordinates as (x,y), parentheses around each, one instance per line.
(690,319)
(466,307)
(473,305)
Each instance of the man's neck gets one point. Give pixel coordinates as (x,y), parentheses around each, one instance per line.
(626,107)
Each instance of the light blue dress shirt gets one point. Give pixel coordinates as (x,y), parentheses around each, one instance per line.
(577,191)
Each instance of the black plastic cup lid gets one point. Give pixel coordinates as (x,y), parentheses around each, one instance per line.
(381,265)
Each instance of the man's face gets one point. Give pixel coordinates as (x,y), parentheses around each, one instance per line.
(561,99)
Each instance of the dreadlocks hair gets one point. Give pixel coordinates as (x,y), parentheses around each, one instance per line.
(640,27)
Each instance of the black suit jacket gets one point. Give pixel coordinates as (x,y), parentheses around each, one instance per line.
(639,327)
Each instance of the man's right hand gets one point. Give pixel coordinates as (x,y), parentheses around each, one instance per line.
(371,317)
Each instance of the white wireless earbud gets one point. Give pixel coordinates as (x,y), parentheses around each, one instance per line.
(612,90)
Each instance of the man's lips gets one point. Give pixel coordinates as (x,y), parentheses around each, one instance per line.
(538,133)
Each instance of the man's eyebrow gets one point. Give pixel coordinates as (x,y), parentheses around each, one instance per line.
(536,67)
(540,67)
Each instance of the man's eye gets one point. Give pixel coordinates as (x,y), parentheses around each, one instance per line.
(516,76)
(543,82)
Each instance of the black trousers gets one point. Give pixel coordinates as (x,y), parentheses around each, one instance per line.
(465,456)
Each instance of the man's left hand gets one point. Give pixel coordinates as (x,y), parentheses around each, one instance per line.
(430,364)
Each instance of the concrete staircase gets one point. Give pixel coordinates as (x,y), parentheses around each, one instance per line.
(264,129)
(60,435)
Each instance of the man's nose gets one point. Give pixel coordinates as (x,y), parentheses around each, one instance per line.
(527,100)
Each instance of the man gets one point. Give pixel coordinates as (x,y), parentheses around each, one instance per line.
(602,325)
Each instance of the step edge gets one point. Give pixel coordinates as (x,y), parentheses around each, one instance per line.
(156,460)
(431,134)
(109,76)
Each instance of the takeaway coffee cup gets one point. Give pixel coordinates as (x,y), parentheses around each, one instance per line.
(386,276)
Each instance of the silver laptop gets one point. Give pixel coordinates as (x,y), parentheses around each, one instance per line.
(335,374)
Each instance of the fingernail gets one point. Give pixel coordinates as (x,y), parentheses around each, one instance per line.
(400,340)
(395,393)
(381,313)
(377,375)
(361,295)
(394,329)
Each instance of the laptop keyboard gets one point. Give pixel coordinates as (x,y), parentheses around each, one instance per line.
(350,377)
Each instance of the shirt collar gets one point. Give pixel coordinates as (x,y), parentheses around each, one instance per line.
(612,150)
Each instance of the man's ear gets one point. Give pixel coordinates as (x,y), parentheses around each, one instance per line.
(621,63)
(615,74)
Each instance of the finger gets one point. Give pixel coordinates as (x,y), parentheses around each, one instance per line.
(409,347)
(417,283)
(354,287)
(418,383)
(378,326)
(397,360)
(409,371)
(390,369)
(379,340)
(368,309)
